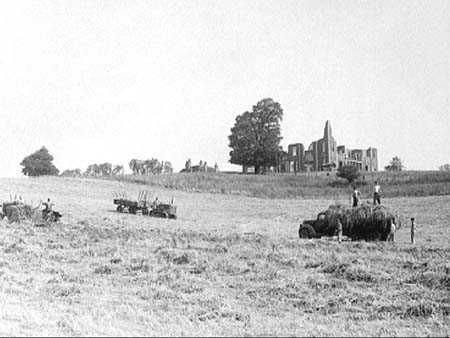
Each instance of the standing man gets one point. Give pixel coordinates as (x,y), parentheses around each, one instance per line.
(339,230)
(376,193)
(413,231)
(355,196)
(390,237)
(155,203)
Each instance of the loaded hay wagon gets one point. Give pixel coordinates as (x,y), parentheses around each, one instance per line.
(366,222)
(18,211)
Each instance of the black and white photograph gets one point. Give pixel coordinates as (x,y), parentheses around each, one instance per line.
(225,168)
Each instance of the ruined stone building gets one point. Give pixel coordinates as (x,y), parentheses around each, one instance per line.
(325,155)
(201,167)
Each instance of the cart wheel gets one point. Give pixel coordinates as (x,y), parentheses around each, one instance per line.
(132,210)
(119,208)
(307,231)
(373,236)
(304,233)
(160,214)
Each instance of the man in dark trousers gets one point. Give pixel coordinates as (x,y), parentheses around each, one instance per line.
(376,193)
(355,196)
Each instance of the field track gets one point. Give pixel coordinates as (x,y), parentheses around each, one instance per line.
(229,265)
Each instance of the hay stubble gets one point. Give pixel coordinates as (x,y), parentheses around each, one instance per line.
(228,266)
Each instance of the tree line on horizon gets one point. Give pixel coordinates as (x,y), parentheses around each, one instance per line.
(40,163)
(255,141)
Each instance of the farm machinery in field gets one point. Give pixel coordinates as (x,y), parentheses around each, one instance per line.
(366,222)
(17,211)
(144,206)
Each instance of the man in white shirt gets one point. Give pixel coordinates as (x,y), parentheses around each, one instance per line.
(376,193)
(155,203)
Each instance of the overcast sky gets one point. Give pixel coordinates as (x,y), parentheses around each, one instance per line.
(108,81)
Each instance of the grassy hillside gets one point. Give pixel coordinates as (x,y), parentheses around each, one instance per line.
(229,265)
(303,185)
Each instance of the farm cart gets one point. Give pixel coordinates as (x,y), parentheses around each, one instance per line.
(132,206)
(367,222)
(144,206)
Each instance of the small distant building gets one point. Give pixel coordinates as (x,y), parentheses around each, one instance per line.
(201,167)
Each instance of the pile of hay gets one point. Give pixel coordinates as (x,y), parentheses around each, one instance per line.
(357,220)
(18,211)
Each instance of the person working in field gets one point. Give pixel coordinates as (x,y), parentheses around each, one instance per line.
(355,197)
(155,203)
(48,208)
(339,230)
(390,237)
(376,193)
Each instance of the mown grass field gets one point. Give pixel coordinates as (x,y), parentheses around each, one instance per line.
(302,185)
(229,265)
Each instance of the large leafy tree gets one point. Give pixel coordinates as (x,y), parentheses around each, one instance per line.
(105,169)
(136,167)
(39,163)
(118,170)
(348,172)
(255,137)
(71,173)
(167,168)
(152,166)
(395,165)
(93,170)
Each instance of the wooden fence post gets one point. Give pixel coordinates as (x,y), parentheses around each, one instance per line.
(413,231)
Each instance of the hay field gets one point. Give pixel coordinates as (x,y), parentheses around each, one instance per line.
(229,265)
(315,185)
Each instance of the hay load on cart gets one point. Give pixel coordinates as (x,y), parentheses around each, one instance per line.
(366,222)
(18,211)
